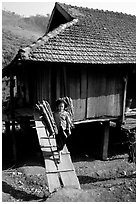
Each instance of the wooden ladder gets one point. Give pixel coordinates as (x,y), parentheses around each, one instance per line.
(58,174)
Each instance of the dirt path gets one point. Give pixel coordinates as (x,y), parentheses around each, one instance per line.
(101,181)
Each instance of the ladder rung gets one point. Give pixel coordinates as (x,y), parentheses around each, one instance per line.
(50,154)
(47,137)
(48,146)
(65,153)
(59,171)
(39,127)
(55,152)
(43,150)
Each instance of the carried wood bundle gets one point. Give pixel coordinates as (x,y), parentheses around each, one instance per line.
(47,117)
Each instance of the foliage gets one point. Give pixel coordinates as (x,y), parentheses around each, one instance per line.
(19,31)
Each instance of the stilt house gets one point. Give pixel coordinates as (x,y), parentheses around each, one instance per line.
(85,54)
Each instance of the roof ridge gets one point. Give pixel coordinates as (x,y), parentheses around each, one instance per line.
(24,52)
(92,9)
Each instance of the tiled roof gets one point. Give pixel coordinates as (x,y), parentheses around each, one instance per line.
(93,36)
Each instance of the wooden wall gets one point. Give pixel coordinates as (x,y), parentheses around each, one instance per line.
(96,91)
(77,90)
(105,94)
(39,84)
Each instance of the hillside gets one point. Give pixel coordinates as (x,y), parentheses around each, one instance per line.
(19,31)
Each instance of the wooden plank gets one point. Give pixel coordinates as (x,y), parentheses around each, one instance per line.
(59,171)
(40,131)
(104,95)
(105,140)
(65,81)
(83,92)
(53,178)
(58,91)
(47,149)
(64,170)
(91,98)
(91,104)
(50,165)
(124,99)
(45,142)
(96,120)
(119,87)
(45,85)
(14,143)
(69,178)
(77,101)
(7,126)
(74,91)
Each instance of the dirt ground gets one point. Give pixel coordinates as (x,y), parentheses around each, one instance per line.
(113,180)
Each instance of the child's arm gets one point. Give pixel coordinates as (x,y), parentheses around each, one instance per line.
(69,124)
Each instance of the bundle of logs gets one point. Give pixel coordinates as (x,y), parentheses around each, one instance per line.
(47,117)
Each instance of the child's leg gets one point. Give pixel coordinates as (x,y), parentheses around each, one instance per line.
(61,139)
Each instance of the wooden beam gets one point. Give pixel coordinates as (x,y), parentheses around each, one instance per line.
(12,96)
(7,126)
(14,143)
(58,88)
(96,120)
(49,86)
(105,140)
(65,81)
(124,98)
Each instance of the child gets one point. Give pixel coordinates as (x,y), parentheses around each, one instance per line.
(63,123)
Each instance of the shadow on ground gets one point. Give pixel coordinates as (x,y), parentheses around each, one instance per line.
(17,194)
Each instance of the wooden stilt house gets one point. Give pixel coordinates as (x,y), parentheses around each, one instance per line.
(85,54)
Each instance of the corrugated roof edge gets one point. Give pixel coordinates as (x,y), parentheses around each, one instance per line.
(24,53)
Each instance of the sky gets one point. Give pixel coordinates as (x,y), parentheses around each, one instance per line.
(28,8)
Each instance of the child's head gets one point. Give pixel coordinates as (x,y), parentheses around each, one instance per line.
(60,104)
